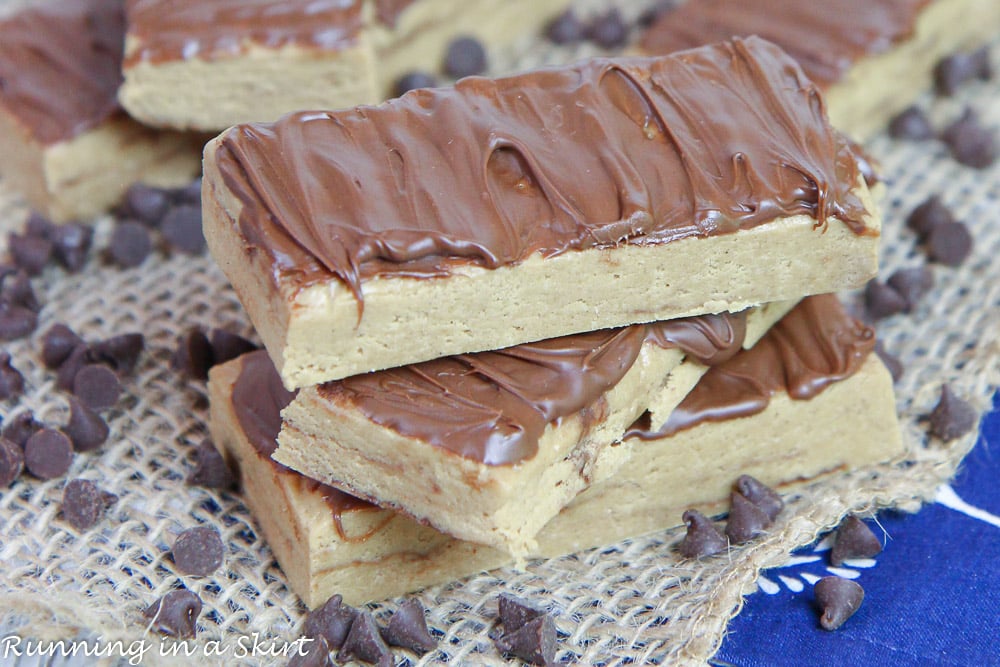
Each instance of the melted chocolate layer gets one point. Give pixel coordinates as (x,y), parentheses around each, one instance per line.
(826,38)
(813,346)
(640,151)
(492,407)
(60,66)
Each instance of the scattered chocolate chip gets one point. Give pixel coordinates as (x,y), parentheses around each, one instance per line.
(21,427)
(48,453)
(929,214)
(38,225)
(609,30)
(652,14)
(198,551)
(746,520)
(313,653)
(70,245)
(57,344)
(954,70)
(11,380)
(227,346)
(194,355)
(949,243)
(912,284)
(408,629)
(364,643)
(11,462)
(210,468)
(181,227)
(891,362)
(130,244)
(30,253)
(18,291)
(83,503)
(413,81)
(188,194)
(970,143)
(566,29)
(912,124)
(85,428)
(702,538)
(838,599)
(97,386)
(175,614)
(515,612)
(146,203)
(534,642)
(120,352)
(882,300)
(332,621)
(952,417)
(16,321)
(66,373)
(854,540)
(981,63)
(465,56)
(760,495)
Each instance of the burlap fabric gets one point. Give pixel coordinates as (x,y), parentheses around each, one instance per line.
(631,603)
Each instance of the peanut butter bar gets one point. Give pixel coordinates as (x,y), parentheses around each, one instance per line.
(787,412)
(254,60)
(871,59)
(510,210)
(66,145)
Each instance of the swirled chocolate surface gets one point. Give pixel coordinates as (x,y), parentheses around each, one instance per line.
(812,347)
(492,407)
(60,66)
(598,154)
(826,38)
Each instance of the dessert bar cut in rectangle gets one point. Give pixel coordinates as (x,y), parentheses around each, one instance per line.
(66,145)
(511,210)
(255,60)
(872,59)
(457,441)
(839,414)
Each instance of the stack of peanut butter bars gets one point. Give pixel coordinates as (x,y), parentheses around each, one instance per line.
(526,316)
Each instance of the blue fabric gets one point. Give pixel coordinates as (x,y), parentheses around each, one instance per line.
(932,597)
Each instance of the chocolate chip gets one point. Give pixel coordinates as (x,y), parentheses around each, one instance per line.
(929,214)
(11,380)
(198,551)
(760,495)
(954,70)
(70,245)
(210,468)
(66,373)
(120,352)
(970,143)
(882,300)
(85,428)
(566,29)
(16,321)
(188,194)
(193,356)
(515,612)
(364,643)
(30,253)
(534,642)
(21,427)
(609,30)
(57,344)
(746,520)
(413,81)
(952,417)
(38,225)
(227,346)
(97,386)
(912,284)
(332,621)
(652,14)
(838,599)
(175,614)
(130,244)
(911,123)
(702,538)
(949,243)
(891,362)
(17,290)
(314,653)
(181,227)
(11,462)
(408,629)
(48,453)
(146,203)
(854,539)
(83,503)
(465,57)
(981,65)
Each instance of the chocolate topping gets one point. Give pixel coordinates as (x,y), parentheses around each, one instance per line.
(826,38)
(815,345)
(639,151)
(60,66)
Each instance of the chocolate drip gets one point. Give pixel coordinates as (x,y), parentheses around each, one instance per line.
(606,152)
(60,66)
(815,345)
(826,38)
(493,407)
